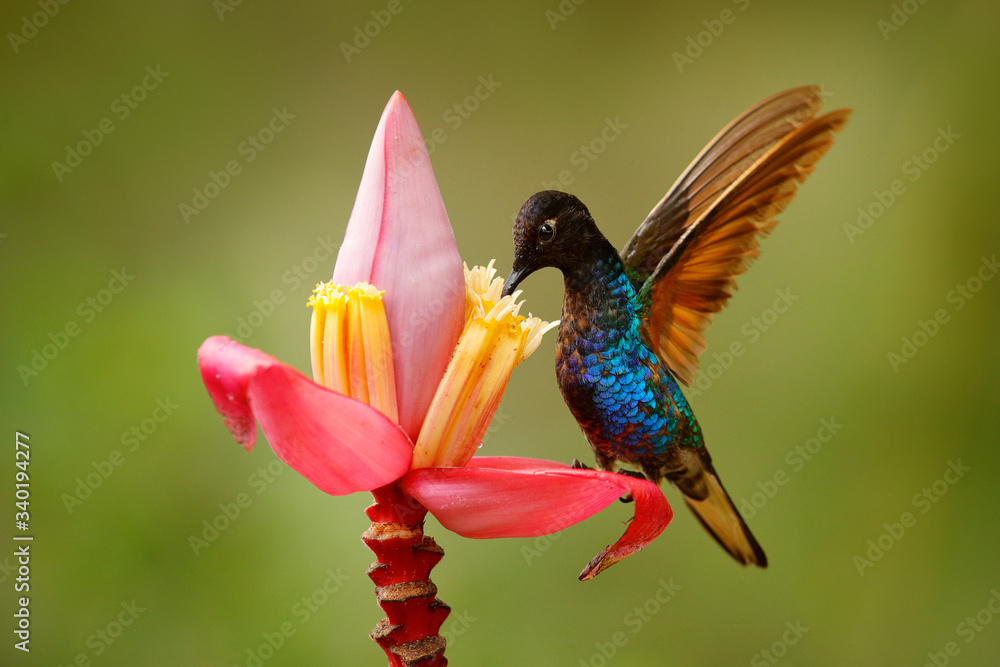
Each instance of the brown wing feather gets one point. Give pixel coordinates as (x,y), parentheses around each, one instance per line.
(697,276)
(738,146)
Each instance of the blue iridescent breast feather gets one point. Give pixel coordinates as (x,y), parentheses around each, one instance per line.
(625,399)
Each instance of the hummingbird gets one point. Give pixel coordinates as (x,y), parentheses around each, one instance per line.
(633,322)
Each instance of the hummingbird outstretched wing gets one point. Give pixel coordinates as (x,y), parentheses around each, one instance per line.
(684,258)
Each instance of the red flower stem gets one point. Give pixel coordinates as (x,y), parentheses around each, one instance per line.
(401,572)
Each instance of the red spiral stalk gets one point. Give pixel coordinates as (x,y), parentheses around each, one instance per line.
(409,634)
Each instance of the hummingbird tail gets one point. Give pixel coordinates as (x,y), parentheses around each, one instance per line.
(720,518)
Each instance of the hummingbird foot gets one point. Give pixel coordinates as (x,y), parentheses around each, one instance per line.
(629,473)
(577,465)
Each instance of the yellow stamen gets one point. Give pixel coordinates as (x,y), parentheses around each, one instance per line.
(378,353)
(356,352)
(333,350)
(495,340)
(350,345)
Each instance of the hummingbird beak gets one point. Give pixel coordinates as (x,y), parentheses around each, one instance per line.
(517,274)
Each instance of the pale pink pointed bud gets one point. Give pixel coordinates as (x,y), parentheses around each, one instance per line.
(399,239)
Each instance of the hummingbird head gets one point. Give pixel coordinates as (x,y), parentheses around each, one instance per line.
(552,229)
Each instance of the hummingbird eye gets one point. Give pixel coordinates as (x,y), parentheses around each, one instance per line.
(546,231)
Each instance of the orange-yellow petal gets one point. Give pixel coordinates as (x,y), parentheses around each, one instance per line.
(494,341)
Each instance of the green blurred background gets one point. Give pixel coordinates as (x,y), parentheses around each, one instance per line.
(914,73)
